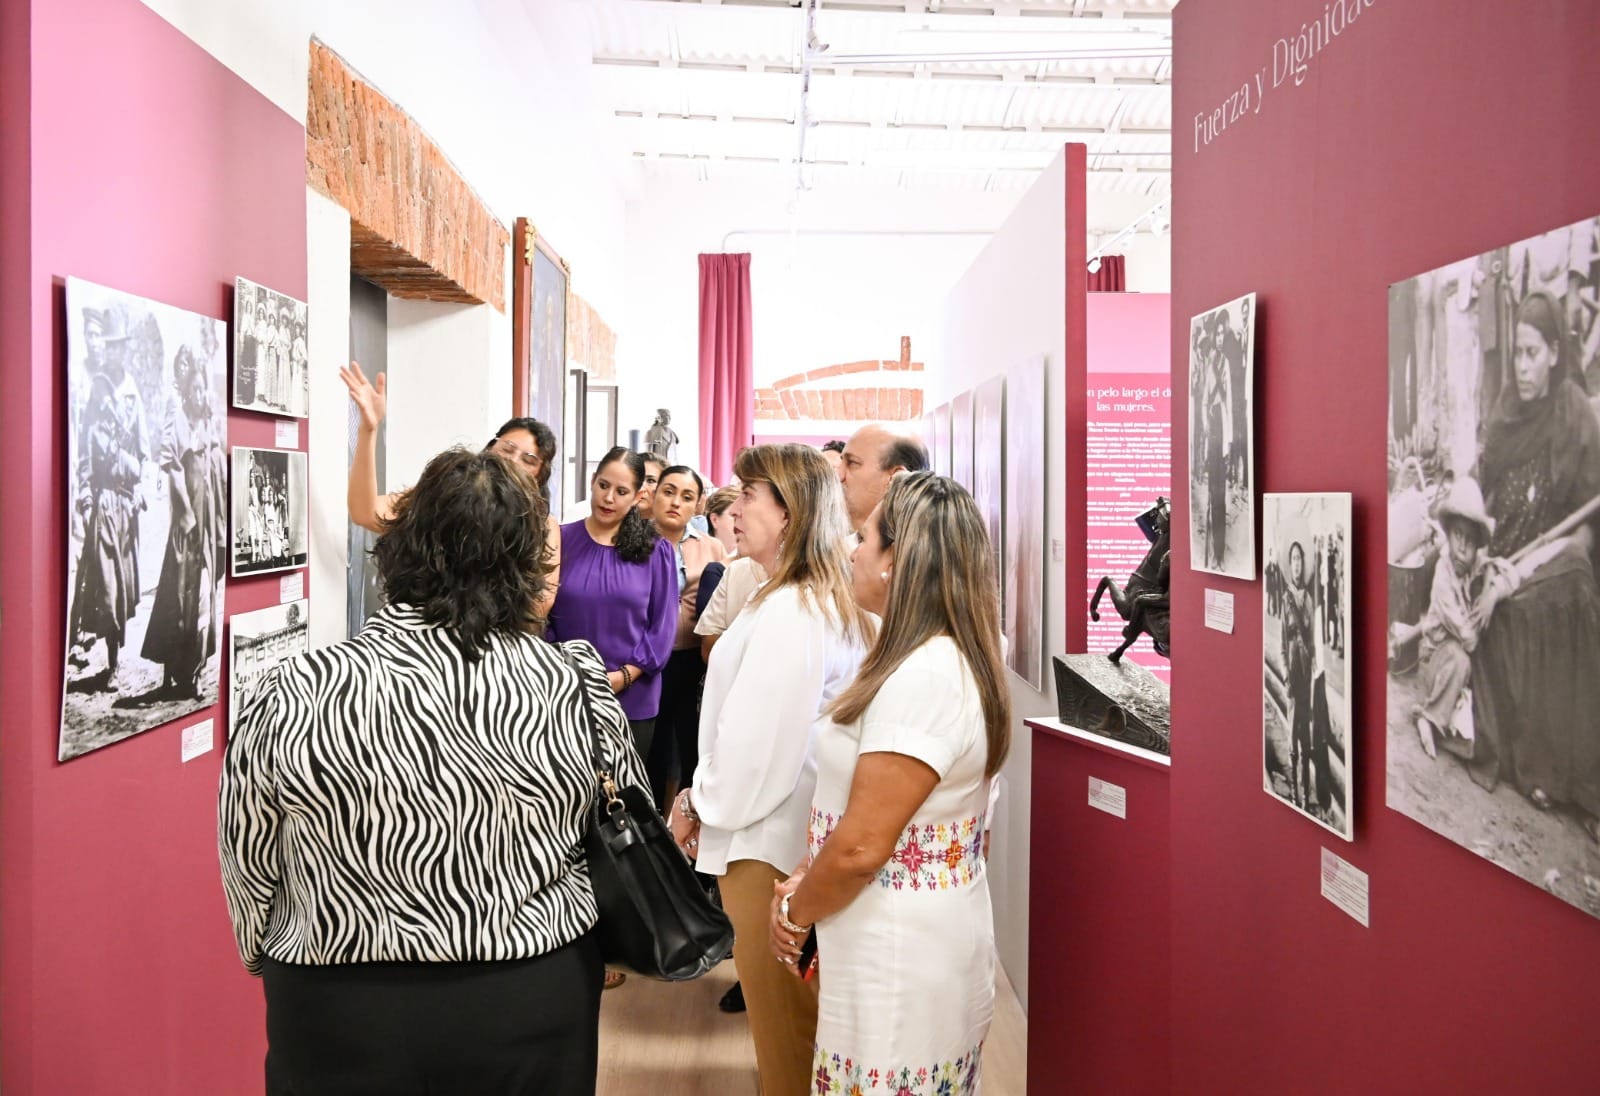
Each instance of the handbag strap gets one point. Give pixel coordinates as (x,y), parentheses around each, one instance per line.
(602,772)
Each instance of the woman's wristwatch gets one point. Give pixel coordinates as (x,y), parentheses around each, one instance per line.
(783,918)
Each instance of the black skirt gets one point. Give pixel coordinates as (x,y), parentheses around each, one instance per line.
(441,1029)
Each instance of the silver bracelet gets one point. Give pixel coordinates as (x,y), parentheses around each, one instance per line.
(686,806)
(783,918)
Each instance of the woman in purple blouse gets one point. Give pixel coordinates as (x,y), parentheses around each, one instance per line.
(619,591)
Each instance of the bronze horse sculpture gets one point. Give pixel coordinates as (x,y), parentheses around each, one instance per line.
(1145,602)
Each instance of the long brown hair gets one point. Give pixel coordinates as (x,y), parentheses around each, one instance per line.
(944,583)
(814,554)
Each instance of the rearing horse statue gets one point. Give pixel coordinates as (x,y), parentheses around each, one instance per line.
(1145,602)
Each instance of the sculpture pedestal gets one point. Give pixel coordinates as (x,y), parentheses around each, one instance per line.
(1119,700)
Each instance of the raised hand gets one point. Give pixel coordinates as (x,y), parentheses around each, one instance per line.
(372,399)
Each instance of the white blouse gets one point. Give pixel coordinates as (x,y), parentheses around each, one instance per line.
(771,676)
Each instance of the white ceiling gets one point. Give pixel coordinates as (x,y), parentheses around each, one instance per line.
(913,94)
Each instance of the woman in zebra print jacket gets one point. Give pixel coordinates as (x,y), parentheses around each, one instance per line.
(401,816)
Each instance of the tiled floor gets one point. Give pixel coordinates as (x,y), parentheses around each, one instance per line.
(658,1039)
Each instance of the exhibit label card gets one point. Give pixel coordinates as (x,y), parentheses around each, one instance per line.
(291,587)
(288,434)
(1110,798)
(198,739)
(1219,611)
(1345,885)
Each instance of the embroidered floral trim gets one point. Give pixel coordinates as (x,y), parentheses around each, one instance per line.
(837,1075)
(933,856)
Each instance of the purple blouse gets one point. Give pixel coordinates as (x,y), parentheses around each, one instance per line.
(629,611)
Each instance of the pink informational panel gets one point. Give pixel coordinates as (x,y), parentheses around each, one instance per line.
(1129,440)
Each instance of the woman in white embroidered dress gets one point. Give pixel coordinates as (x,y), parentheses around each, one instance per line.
(895,884)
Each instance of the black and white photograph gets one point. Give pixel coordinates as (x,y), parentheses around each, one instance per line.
(1023,516)
(961,439)
(269,352)
(269,510)
(939,440)
(1222,508)
(1305,748)
(147,488)
(258,642)
(988,460)
(1494,504)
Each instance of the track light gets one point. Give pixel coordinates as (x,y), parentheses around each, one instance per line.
(1094,265)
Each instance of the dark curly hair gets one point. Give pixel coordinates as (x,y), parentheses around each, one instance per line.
(637,536)
(466,547)
(544,443)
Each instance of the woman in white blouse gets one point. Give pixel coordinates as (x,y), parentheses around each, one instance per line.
(896,885)
(793,649)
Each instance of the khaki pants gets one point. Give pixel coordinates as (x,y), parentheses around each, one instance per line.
(782,1009)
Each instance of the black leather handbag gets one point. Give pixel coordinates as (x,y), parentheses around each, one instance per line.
(655,918)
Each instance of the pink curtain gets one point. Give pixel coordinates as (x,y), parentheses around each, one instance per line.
(727,385)
(1111,277)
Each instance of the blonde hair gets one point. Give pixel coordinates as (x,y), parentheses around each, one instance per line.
(814,555)
(944,583)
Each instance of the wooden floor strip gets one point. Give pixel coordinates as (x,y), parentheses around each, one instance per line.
(659,1039)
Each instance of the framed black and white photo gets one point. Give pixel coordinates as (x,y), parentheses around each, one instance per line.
(147,489)
(961,439)
(1494,515)
(270,373)
(1222,509)
(988,461)
(1024,512)
(258,642)
(269,510)
(1306,740)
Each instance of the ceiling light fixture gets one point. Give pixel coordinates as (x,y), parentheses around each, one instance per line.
(1159,217)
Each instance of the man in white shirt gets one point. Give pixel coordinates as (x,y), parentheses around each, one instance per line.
(870,460)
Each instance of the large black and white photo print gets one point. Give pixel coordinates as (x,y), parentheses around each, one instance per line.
(269,352)
(260,641)
(147,487)
(269,510)
(1494,614)
(1305,748)
(1222,508)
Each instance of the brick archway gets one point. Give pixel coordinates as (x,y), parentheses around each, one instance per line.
(819,393)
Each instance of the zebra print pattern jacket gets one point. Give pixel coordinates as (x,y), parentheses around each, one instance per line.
(385,799)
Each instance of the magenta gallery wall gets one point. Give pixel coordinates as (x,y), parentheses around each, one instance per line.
(134,160)
(1323,150)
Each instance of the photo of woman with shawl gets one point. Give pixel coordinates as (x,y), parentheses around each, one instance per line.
(186,622)
(1536,670)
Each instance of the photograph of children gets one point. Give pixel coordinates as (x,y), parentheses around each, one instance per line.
(1222,509)
(146,512)
(269,510)
(269,352)
(1305,749)
(1494,612)
(258,642)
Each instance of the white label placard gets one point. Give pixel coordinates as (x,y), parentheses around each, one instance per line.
(1345,885)
(197,740)
(291,587)
(1111,798)
(288,433)
(1219,611)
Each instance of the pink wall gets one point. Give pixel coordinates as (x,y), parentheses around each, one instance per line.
(156,171)
(1429,131)
(1099,924)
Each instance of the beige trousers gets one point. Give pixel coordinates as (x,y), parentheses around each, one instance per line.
(782,1009)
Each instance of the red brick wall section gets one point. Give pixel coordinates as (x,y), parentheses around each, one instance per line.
(797,397)
(417,228)
(590,341)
